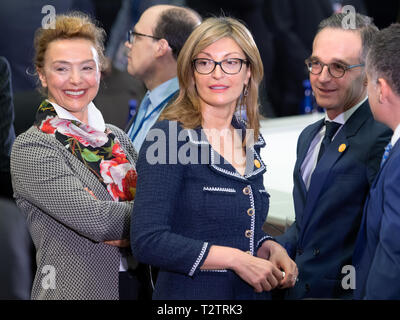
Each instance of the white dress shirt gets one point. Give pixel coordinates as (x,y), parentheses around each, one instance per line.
(396,135)
(95,118)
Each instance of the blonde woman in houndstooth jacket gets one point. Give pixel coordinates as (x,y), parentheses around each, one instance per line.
(73,175)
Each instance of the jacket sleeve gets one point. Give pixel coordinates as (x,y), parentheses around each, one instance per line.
(289,239)
(43,177)
(382,281)
(153,238)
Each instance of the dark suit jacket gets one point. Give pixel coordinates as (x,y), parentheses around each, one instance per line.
(7,133)
(376,256)
(328,215)
(16,253)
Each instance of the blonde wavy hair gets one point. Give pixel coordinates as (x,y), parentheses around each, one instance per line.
(186,107)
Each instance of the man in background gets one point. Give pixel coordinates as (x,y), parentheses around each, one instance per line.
(154,45)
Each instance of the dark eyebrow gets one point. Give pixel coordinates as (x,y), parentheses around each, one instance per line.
(339,61)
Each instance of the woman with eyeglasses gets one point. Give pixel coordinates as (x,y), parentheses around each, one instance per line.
(73,175)
(201,202)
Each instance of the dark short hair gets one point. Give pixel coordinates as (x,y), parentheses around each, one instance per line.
(383,59)
(175,25)
(363,25)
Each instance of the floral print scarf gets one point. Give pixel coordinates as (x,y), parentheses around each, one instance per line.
(100,152)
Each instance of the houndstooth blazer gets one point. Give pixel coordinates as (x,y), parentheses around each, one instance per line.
(67,224)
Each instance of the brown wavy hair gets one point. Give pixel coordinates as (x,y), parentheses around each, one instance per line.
(186,107)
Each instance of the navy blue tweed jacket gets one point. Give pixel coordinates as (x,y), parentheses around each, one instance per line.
(188,199)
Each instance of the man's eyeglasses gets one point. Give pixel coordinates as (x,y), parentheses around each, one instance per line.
(229,66)
(335,69)
(132,34)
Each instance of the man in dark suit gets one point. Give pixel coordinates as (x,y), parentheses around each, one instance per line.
(334,170)
(377,252)
(16,253)
(7,133)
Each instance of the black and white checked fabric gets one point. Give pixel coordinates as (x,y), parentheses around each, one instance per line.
(68,226)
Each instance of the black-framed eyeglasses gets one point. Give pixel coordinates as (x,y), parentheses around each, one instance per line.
(229,66)
(335,69)
(131,36)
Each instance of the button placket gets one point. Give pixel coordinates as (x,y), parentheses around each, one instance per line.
(249,233)
(250,212)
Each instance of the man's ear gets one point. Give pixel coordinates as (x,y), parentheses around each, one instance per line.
(42,77)
(384,90)
(163,48)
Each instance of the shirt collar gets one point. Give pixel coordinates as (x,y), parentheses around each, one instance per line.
(344,116)
(95,118)
(163,91)
(396,135)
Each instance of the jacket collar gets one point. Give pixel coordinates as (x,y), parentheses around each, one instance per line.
(254,164)
(200,137)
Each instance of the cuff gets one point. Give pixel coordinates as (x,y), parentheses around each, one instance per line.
(200,259)
(262,240)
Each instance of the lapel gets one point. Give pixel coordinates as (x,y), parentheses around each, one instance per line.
(130,122)
(331,156)
(222,167)
(303,146)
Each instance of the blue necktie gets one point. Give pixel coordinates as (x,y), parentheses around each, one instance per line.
(144,105)
(386,153)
